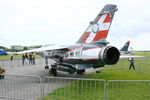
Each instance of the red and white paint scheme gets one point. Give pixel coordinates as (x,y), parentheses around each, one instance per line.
(100,29)
(90,51)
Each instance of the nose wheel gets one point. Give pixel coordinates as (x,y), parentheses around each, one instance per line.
(46,67)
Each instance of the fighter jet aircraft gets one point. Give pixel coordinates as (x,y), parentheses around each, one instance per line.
(124,49)
(90,51)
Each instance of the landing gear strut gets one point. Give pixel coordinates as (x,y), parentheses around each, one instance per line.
(46,62)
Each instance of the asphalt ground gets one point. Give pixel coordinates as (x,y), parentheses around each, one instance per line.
(22,82)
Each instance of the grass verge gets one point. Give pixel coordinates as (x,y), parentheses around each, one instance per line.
(121,90)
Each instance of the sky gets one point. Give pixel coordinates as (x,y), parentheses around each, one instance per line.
(40,22)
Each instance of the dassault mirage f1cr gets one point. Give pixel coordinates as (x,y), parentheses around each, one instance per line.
(90,51)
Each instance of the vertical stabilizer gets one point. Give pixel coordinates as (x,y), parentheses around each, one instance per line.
(125,47)
(99,27)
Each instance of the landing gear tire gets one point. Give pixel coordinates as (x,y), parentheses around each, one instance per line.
(46,67)
(53,72)
(80,71)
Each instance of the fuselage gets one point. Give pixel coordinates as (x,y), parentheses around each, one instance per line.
(84,54)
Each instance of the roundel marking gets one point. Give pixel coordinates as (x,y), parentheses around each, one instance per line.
(95,28)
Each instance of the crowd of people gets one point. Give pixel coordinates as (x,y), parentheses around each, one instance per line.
(28,58)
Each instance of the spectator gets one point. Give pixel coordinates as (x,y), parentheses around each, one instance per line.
(30,58)
(131,61)
(23,58)
(11,58)
(26,57)
(33,58)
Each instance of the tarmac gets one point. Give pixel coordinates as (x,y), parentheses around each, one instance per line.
(15,67)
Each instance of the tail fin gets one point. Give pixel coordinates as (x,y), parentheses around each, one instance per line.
(125,47)
(99,27)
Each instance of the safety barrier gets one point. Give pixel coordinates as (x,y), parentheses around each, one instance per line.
(73,89)
(128,90)
(144,68)
(16,87)
(20,87)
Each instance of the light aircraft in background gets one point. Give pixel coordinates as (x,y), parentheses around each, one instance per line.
(90,51)
(124,53)
(124,49)
(2,52)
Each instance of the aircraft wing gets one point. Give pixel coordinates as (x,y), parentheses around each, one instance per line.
(46,48)
(127,56)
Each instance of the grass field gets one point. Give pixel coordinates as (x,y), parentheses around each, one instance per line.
(126,90)
(83,90)
(7,57)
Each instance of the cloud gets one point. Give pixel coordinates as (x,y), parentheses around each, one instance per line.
(26,22)
(141,41)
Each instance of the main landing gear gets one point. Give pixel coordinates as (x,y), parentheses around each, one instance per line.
(62,67)
(81,71)
(53,70)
